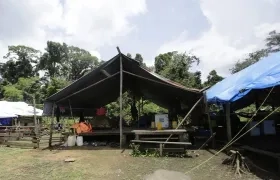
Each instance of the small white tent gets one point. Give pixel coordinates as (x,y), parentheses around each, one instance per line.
(14,109)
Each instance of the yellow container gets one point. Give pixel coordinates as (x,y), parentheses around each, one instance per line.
(153,124)
(159,126)
(174,124)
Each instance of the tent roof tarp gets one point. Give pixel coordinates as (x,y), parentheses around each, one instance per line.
(14,109)
(259,76)
(102,86)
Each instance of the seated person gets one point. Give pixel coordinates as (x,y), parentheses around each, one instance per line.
(82,127)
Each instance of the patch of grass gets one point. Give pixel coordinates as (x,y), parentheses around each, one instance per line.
(97,164)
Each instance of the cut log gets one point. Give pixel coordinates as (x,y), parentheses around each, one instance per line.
(237,161)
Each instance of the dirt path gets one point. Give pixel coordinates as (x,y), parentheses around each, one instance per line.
(103,164)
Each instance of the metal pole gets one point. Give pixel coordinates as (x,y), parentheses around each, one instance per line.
(121,92)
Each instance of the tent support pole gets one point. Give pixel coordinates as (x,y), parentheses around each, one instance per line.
(228,121)
(51,128)
(121,92)
(197,102)
(208,118)
(71,112)
(139,111)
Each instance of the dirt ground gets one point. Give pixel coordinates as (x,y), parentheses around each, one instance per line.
(104,164)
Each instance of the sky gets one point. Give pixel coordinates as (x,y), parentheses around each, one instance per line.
(219,32)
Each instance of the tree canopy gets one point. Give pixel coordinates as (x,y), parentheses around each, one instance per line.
(272,46)
(28,71)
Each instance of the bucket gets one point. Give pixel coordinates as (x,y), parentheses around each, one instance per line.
(80,140)
(71,141)
(153,124)
(174,124)
(159,126)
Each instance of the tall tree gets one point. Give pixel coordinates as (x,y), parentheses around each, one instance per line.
(11,93)
(272,45)
(139,58)
(80,62)
(53,86)
(162,61)
(54,60)
(22,61)
(213,78)
(273,41)
(251,59)
(197,80)
(129,55)
(176,66)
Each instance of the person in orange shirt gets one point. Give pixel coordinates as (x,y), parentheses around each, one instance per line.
(82,126)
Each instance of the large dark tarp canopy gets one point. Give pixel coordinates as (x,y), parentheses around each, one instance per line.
(102,86)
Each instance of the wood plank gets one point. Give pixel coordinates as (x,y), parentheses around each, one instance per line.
(248,148)
(159,132)
(158,138)
(161,142)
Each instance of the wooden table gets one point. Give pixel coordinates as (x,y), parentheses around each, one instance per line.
(178,132)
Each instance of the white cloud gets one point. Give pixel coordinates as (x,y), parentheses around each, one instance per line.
(237,28)
(88,24)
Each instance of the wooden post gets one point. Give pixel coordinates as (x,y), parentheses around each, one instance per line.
(35,122)
(160,149)
(35,117)
(228,121)
(51,128)
(209,119)
(142,104)
(121,92)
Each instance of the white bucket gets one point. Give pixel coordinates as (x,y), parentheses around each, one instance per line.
(80,140)
(71,141)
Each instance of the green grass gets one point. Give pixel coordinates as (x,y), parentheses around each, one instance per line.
(96,163)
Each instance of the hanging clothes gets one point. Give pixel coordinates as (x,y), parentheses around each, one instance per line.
(101,111)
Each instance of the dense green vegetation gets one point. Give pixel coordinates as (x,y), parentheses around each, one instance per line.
(28,72)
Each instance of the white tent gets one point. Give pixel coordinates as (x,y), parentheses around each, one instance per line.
(14,109)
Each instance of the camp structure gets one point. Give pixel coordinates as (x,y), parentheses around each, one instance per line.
(110,80)
(18,122)
(257,84)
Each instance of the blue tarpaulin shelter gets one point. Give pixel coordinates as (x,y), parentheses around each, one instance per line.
(259,76)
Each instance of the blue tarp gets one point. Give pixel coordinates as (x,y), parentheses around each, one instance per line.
(261,75)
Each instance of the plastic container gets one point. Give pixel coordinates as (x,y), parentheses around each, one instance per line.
(174,124)
(159,126)
(153,124)
(80,140)
(71,141)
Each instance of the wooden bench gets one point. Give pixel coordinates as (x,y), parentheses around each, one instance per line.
(161,143)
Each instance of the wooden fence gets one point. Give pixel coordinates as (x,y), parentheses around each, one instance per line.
(25,136)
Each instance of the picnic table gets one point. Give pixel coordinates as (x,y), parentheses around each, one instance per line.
(176,132)
(157,137)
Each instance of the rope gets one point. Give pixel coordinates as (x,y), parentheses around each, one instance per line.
(251,117)
(232,140)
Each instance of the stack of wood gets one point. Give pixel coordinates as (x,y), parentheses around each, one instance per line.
(237,161)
